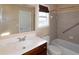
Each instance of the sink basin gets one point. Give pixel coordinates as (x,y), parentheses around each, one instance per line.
(15,47)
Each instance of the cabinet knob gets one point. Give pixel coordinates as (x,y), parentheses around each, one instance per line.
(44,47)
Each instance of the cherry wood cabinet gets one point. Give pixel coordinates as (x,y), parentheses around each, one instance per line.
(40,50)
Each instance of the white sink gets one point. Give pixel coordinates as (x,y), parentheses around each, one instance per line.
(14,46)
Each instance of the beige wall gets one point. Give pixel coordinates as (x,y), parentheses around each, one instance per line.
(66,16)
(53,23)
(43,31)
(11,17)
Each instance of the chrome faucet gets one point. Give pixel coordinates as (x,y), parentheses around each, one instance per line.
(22,39)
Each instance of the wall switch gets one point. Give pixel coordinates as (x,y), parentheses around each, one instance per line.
(71,37)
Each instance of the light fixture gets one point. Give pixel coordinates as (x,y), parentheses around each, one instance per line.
(5,34)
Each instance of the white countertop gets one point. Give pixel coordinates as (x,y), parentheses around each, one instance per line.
(12,45)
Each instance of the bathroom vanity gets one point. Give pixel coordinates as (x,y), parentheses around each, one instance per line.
(40,50)
(23,44)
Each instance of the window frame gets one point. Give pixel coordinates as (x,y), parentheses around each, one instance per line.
(43,15)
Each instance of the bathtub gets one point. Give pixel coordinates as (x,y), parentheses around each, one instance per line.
(63,47)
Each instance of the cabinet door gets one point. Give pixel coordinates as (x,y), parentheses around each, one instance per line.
(40,50)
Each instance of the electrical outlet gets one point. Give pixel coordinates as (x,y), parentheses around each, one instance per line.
(71,37)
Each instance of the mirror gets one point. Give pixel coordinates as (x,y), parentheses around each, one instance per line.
(43,21)
(16,19)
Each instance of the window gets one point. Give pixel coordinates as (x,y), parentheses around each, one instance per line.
(43,19)
(1,16)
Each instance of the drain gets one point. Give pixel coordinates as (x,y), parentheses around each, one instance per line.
(24,47)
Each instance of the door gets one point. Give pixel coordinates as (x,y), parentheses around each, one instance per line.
(24,21)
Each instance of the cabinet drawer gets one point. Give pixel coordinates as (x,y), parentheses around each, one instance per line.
(41,50)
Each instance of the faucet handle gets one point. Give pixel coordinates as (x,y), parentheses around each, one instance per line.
(24,38)
(19,39)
